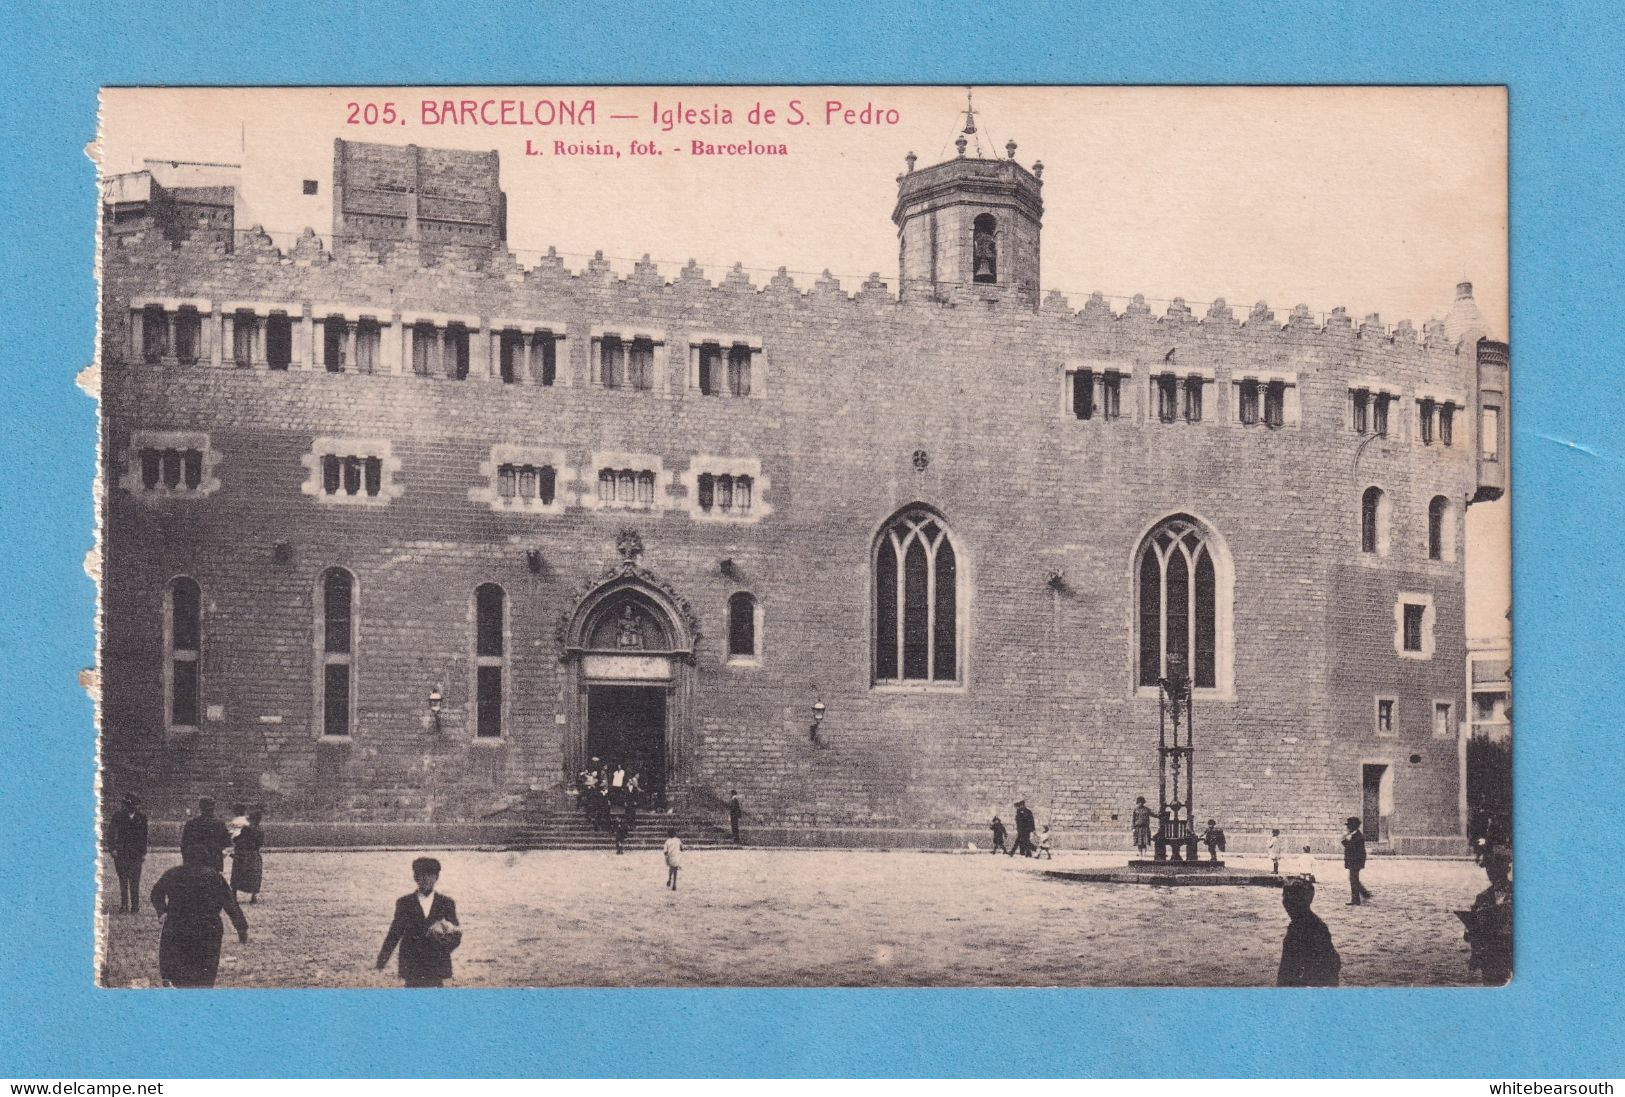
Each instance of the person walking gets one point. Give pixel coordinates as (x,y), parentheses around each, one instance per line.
(1213,838)
(673,850)
(425,949)
(129,841)
(1141,825)
(734,812)
(1489,923)
(1025,825)
(247,860)
(1275,852)
(190,898)
(207,832)
(620,834)
(1308,958)
(998,835)
(1045,850)
(1354,861)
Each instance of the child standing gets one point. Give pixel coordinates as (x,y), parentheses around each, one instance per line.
(998,835)
(1044,849)
(674,857)
(1213,838)
(1275,851)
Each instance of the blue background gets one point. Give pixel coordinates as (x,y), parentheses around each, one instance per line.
(1561,1016)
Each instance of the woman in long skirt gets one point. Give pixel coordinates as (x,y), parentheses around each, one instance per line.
(247,862)
(190,898)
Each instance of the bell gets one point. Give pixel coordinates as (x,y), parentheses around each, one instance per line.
(984,269)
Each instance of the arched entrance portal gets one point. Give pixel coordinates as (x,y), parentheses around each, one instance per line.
(628,648)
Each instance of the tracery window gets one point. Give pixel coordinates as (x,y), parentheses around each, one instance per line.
(1179,605)
(917,594)
(335,621)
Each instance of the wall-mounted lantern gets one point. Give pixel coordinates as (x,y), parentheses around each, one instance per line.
(818,710)
(533,561)
(435,700)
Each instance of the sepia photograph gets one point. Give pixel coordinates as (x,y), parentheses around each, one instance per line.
(885,536)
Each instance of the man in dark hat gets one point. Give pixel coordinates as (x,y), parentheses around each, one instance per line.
(425,949)
(207,832)
(1025,825)
(1354,860)
(1489,930)
(1307,956)
(129,841)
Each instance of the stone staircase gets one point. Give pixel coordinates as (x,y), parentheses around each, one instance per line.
(550,820)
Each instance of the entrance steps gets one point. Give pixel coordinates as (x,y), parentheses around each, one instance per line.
(551,820)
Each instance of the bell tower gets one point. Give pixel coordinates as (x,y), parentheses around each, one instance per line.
(969,226)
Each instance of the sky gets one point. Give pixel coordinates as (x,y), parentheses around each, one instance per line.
(1374,199)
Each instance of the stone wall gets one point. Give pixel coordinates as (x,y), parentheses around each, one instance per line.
(1046,511)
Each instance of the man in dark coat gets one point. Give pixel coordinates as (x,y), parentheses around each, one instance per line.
(1025,825)
(1354,860)
(190,899)
(1489,930)
(208,832)
(1307,956)
(734,812)
(425,952)
(129,842)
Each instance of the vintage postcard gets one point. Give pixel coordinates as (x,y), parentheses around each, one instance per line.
(791,536)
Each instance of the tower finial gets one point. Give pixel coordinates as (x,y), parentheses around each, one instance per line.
(970,114)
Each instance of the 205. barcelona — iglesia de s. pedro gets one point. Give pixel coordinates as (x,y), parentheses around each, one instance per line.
(400,532)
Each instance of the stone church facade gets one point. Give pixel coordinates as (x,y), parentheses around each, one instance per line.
(398,530)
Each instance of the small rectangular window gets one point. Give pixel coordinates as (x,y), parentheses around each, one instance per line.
(606,486)
(1413,626)
(333,344)
(374,470)
(183,704)
(646,488)
(1424,421)
(1385,716)
(1379,413)
(725,492)
(242,339)
(423,338)
(507,479)
(1193,399)
(1248,410)
(1447,424)
(545,482)
(278,341)
(545,349)
(640,365)
(1167,397)
(1489,434)
(708,490)
(457,351)
(192,469)
(330,474)
(352,475)
(1083,394)
(186,335)
(368,340)
(739,370)
(1359,403)
(710,369)
(509,347)
(154,334)
(172,468)
(742,488)
(1444,720)
(1111,395)
(1275,404)
(527,483)
(151,462)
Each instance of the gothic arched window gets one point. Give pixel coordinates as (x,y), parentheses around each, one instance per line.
(985,248)
(916,601)
(1374,522)
(1183,602)
(1441,530)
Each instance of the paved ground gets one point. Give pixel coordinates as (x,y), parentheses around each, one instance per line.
(813,918)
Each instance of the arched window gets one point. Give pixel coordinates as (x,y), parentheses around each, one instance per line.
(336,650)
(916,601)
(742,626)
(490,660)
(1374,522)
(183,646)
(1441,530)
(985,248)
(1183,603)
